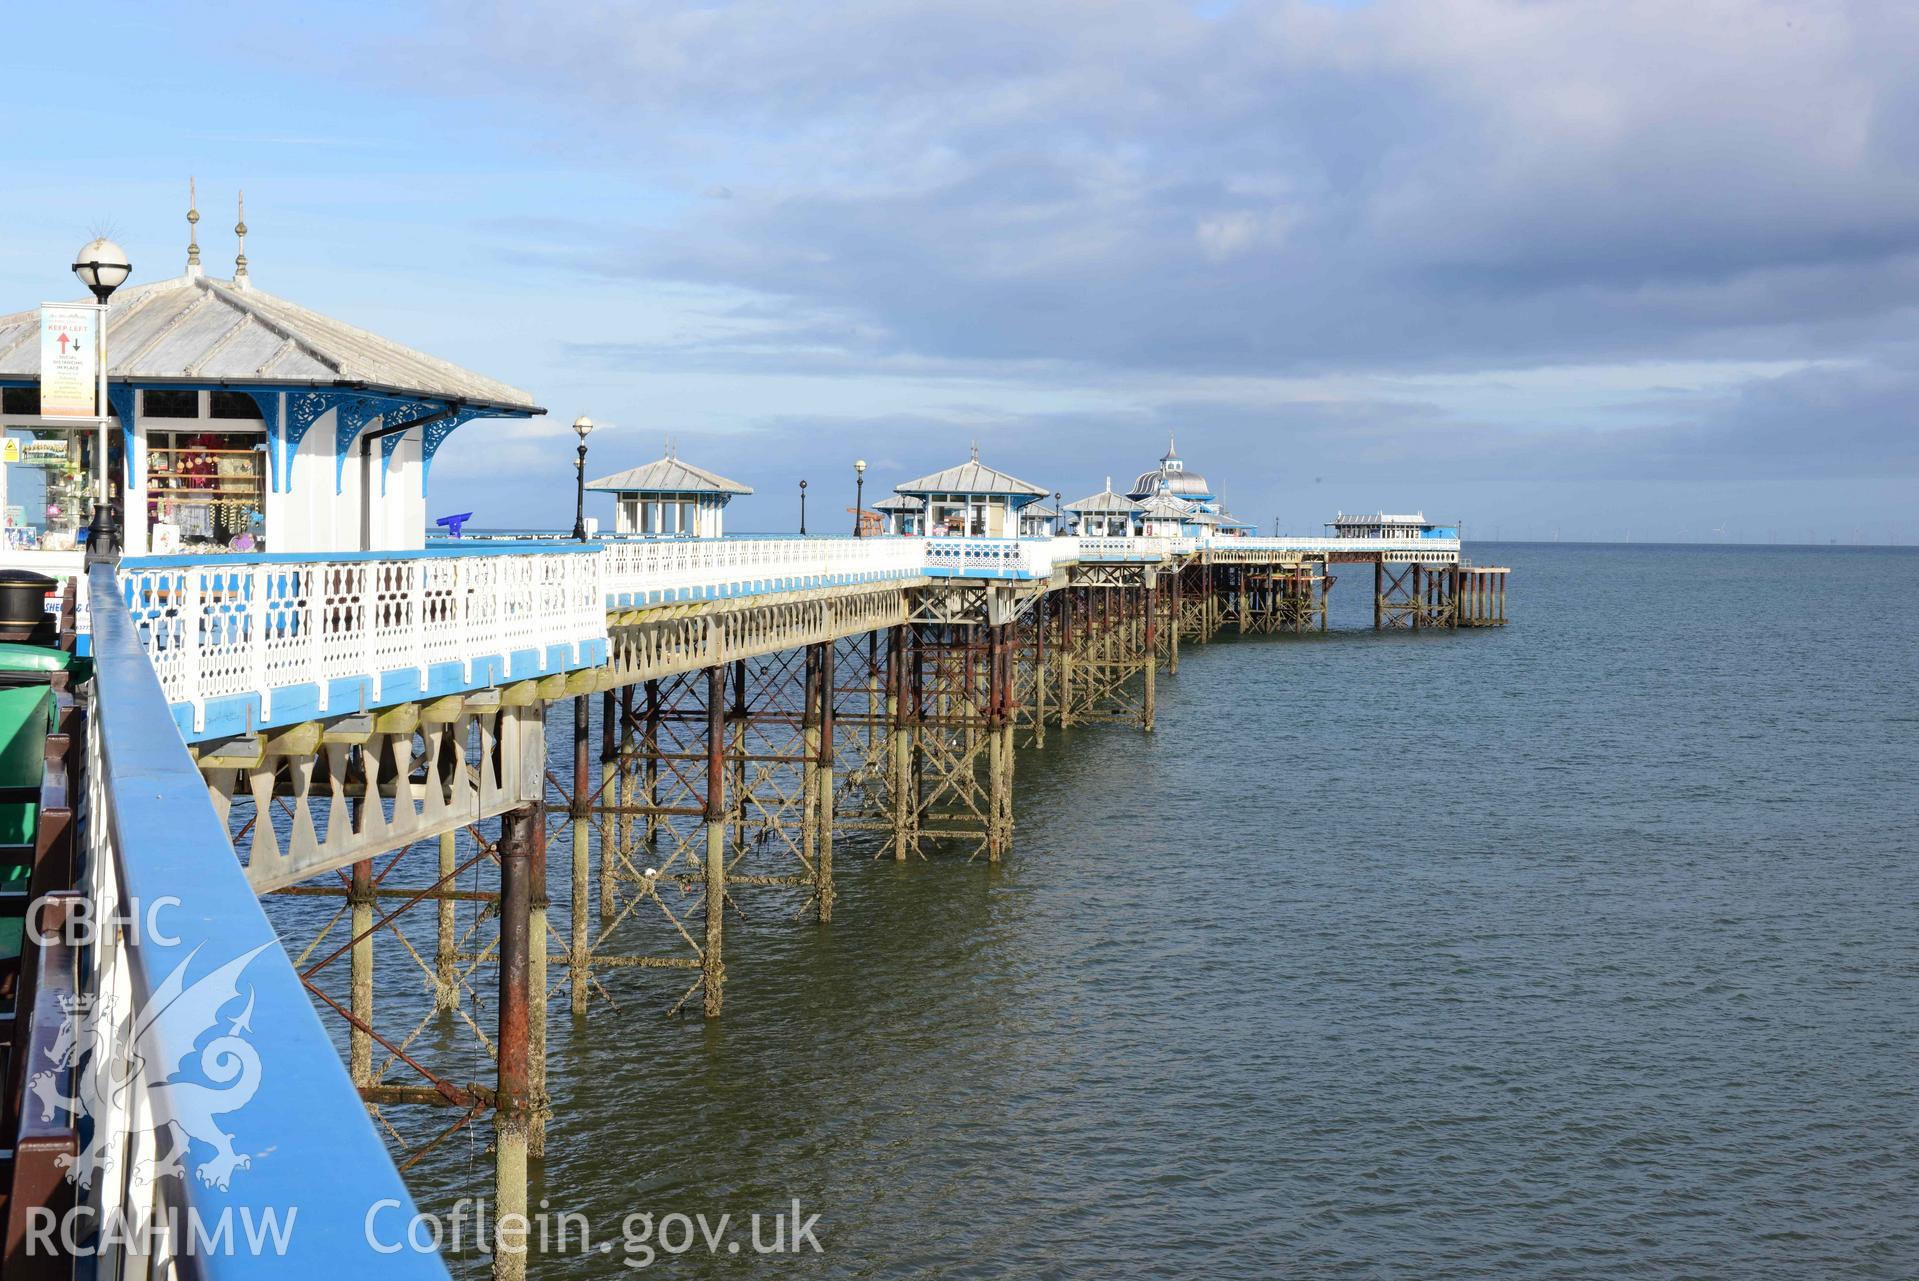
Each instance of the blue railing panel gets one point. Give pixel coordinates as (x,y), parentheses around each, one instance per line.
(160,850)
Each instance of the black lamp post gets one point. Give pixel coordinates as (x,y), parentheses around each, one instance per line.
(582,427)
(859,498)
(1059,515)
(102,267)
(802,509)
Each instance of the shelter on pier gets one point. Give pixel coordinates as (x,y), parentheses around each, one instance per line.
(669,496)
(904,515)
(1232,526)
(1106,514)
(1164,516)
(1038,521)
(972,499)
(240,421)
(1386,525)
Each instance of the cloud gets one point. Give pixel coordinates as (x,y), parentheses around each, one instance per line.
(1405,245)
(1288,187)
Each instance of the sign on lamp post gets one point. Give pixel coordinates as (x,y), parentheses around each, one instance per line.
(70,360)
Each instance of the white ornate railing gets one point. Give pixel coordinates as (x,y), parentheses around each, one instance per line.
(245,642)
(241,627)
(997,557)
(645,572)
(1127,549)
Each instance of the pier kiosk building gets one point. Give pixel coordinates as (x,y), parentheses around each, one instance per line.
(1037,521)
(1161,515)
(669,497)
(1385,525)
(1231,526)
(241,422)
(972,500)
(1105,515)
(904,514)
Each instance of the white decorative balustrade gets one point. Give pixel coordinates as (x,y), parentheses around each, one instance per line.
(1125,549)
(1017,558)
(240,642)
(658,571)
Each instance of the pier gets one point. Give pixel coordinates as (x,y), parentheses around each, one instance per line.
(531,762)
(761,705)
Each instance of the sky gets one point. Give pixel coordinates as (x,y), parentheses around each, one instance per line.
(1588,269)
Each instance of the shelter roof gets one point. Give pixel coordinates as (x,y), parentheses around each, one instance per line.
(193,328)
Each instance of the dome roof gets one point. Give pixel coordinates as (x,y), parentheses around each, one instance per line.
(1172,476)
(1180,484)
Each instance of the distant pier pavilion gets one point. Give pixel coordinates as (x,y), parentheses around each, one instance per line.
(669,496)
(1105,514)
(903,514)
(972,500)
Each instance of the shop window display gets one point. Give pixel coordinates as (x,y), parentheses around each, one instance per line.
(206,490)
(49,485)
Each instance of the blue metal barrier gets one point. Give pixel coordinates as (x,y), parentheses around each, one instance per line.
(190,977)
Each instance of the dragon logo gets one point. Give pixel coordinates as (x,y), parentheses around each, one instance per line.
(115,1058)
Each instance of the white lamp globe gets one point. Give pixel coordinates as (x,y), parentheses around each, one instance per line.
(102,266)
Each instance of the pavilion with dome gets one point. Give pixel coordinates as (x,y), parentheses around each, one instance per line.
(1173,502)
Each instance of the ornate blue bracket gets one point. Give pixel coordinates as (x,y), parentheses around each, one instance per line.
(399,415)
(304,408)
(269,404)
(434,435)
(355,413)
(387,445)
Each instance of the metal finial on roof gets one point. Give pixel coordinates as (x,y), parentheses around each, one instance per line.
(976,451)
(193,228)
(240,259)
(669,447)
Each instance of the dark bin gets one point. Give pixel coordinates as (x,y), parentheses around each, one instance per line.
(23,604)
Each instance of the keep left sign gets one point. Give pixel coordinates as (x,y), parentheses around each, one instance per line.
(69,361)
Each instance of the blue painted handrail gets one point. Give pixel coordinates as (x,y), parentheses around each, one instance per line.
(312,1148)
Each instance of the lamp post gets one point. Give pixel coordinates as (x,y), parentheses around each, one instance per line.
(582,427)
(802,509)
(102,267)
(859,498)
(1059,515)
